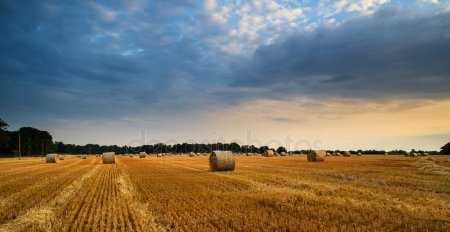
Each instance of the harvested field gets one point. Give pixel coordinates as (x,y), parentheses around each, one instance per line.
(178,193)
(35,183)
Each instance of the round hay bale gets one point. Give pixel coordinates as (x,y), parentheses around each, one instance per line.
(359,154)
(316,155)
(411,154)
(192,154)
(283,153)
(51,158)
(109,158)
(269,153)
(346,154)
(61,157)
(83,156)
(142,155)
(221,161)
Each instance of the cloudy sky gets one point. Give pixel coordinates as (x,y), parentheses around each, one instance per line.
(341,74)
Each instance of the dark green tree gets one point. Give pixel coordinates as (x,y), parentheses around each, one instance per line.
(4,137)
(33,141)
(234,147)
(263,149)
(281,149)
(3,125)
(446,149)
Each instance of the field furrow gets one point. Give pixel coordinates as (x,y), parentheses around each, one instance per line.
(27,178)
(287,193)
(179,193)
(100,205)
(39,216)
(38,189)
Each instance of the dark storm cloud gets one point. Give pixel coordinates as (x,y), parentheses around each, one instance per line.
(392,53)
(88,59)
(94,59)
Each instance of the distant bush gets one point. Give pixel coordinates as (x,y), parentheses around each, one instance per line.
(281,150)
(445,149)
(397,152)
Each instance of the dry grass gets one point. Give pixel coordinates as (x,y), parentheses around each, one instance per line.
(288,193)
(368,193)
(100,206)
(35,183)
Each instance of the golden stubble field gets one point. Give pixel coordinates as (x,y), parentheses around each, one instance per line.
(178,193)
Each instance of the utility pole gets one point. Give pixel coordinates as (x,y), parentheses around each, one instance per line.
(20,152)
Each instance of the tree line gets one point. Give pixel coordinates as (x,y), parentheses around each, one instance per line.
(25,141)
(161,148)
(30,141)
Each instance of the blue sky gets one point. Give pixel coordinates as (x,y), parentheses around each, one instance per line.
(113,72)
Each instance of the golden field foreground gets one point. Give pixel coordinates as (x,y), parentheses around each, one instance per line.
(178,193)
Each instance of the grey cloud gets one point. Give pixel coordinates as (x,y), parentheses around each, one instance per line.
(63,60)
(284,120)
(377,56)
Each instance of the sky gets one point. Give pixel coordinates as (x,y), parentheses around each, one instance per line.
(332,74)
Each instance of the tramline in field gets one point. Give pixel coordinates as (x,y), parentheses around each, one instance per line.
(262,193)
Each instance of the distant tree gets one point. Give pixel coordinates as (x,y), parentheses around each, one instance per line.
(398,152)
(59,147)
(249,149)
(160,148)
(34,141)
(446,149)
(3,125)
(4,137)
(263,149)
(281,149)
(235,147)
